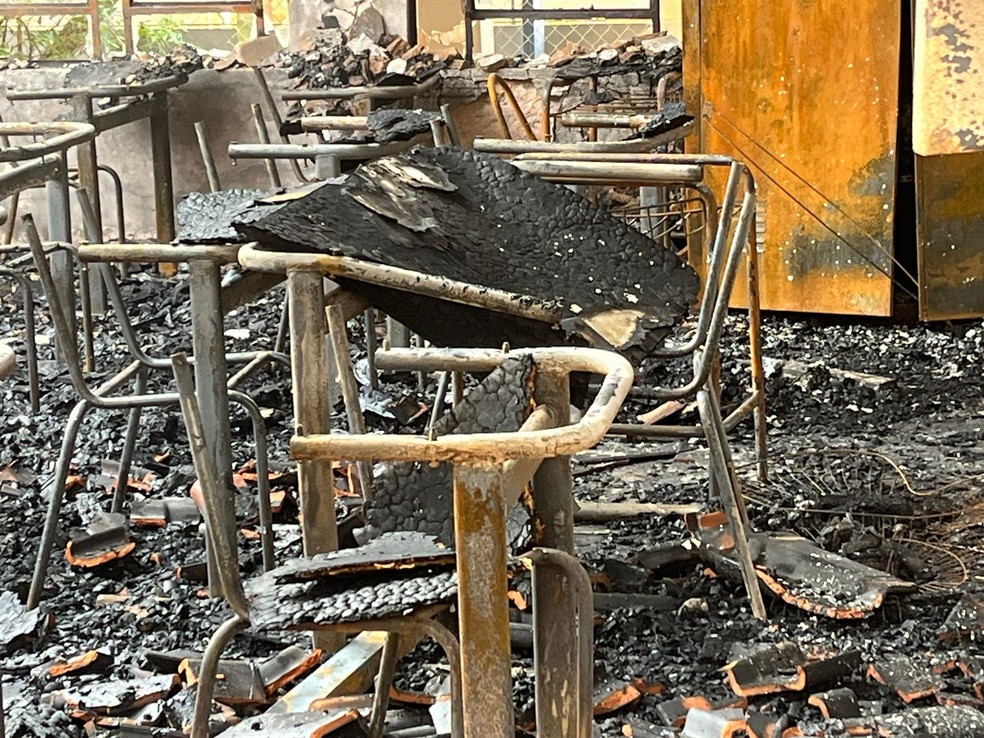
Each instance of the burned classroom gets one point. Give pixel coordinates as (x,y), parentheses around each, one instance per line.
(492,368)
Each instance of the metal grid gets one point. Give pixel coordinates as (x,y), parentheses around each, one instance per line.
(28,29)
(533,28)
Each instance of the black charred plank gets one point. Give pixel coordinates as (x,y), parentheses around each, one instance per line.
(499,228)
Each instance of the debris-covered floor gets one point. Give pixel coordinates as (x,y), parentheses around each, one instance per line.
(875,441)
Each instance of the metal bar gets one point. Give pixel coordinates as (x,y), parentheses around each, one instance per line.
(310,371)
(313,123)
(570,712)
(94,91)
(213,394)
(62,135)
(313,151)
(384,680)
(369,318)
(636,145)
(625,173)
(374,93)
(477,447)
(30,339)
(207,674)
(252,257)
(557,655)
(575,119)
(722,468)
(160,144)
(118,193)
(483,607)
(211,171)
(442,390)
(262,474)
(32,174)
(278,121)
(350,390)
(123,114)
(138,253)
(88,169)
(60,229)
(129,445)
(264,136)
(480,14)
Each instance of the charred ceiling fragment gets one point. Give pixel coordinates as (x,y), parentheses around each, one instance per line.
(476,219)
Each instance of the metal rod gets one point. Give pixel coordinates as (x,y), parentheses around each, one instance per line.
(129,445)
(341,151)
(264,136)
(60,229)
(569,713)
(442,390)
(639,145)
(384,680)
(350,390)
(207,674)
(457,388)
(369,317)
(262,475)
(160,144)
(94,91)
(214,185)
(483,607)
(278,121)
(626,173)
(50,137)
(310,371)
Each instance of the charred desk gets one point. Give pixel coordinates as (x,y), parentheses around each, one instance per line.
(132,103)
(45,162)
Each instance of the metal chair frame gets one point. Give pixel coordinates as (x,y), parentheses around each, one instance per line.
(136,371)
(490,470)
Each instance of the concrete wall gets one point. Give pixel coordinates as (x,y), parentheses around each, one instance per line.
(220,99)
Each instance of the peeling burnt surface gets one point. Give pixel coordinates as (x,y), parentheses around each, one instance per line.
(417,496)
(207,217)
(648,67)
(670,117)
(477,219)
(179,63)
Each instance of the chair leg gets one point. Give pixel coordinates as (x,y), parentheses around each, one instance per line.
(262,475)
(75,419)
(384,680)
(734,506)
(207,673)
(129,444)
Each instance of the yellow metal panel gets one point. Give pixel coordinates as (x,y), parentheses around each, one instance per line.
(948,77)
(806,92)
(950,229)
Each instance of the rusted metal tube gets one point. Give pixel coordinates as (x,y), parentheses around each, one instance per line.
(569,711)
(493,83)
(373,93)
(207,674)
(483,606)
(492,446)
(252,257)
(626,173)
(311,378)
(62,135)
(575,119)
(264,137)
(211,171)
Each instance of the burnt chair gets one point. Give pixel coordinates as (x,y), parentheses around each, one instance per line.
(106,396)
(489,473)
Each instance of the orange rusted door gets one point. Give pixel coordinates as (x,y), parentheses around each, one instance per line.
(948,139)
(806,92)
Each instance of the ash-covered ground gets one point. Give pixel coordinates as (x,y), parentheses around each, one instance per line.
(882,472)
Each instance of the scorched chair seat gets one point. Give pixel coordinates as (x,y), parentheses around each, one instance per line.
(103,397)
(488,470)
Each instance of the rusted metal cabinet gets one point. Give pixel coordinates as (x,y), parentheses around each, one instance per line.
(843,110)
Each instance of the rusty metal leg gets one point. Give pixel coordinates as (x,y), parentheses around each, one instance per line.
(88,167)
(311,374)
(734,507)
(553,500)
(578,709)
(483,611)
(207,674)
(755,354)
(60,229)
(369,318)
(129,444)
(210,378)
(160,144)
(75,419)
(384,680)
